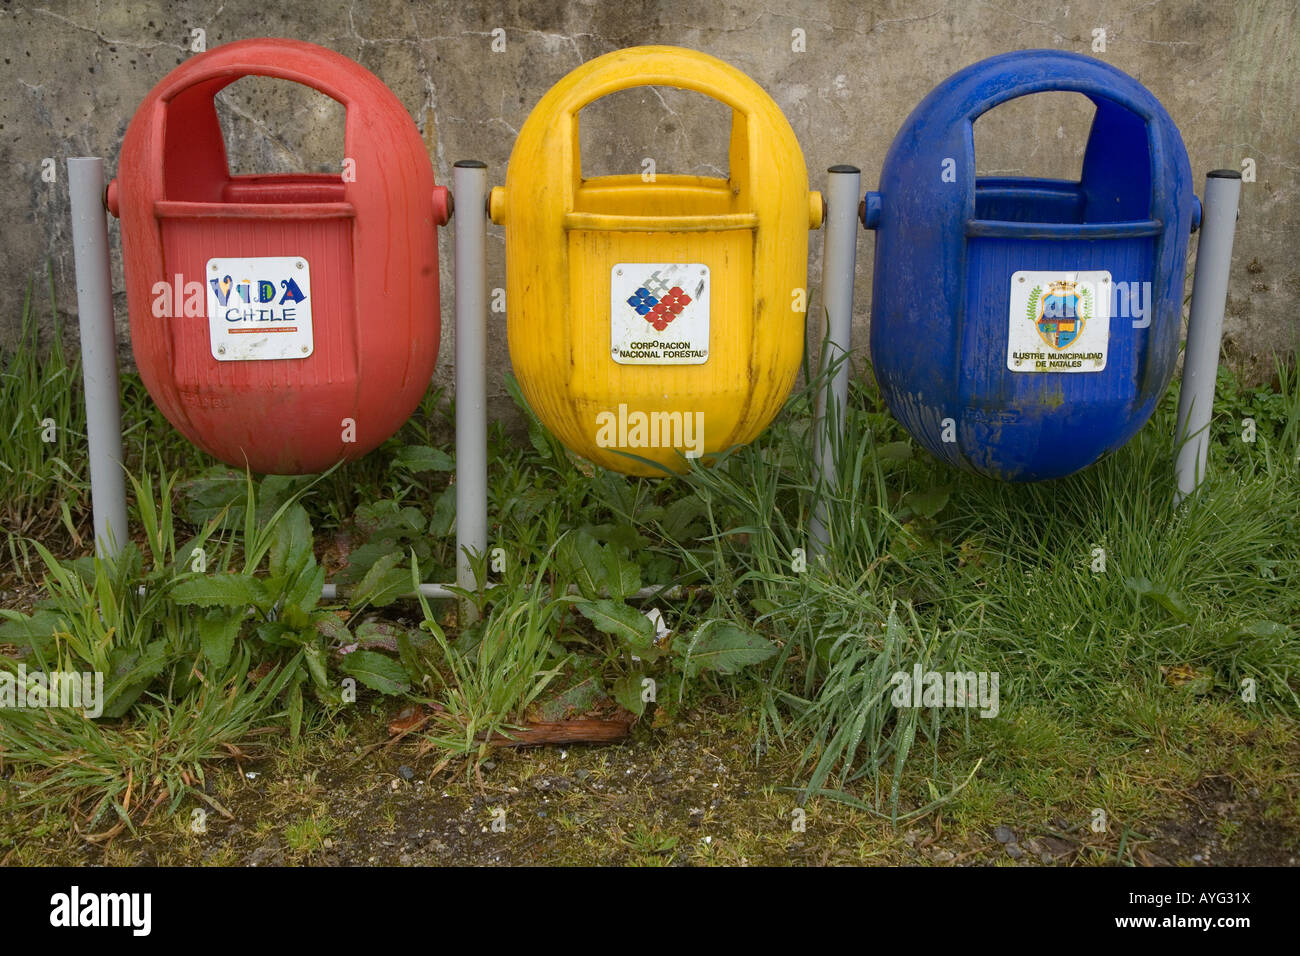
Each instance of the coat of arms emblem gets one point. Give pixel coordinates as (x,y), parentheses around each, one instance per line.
(1060,312)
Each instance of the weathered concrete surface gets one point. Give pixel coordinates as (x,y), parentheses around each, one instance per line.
(1228,72)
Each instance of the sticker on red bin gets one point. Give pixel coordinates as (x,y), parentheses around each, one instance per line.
(659,313)
(259,308)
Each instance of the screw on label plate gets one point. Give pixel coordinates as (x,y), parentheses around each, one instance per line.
(304,350)
(214,267)
(618,272)
(300,264)
(1021,279)
(221,350)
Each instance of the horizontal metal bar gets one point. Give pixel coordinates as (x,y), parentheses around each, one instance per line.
(332,592)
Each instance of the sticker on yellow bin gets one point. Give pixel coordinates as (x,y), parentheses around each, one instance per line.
(259,308)
(1060,321)
(659,313)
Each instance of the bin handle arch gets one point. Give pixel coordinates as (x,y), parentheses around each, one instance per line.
(1068,73)
(660,66)
(657,66)
(1072,85)
(329,73)
(332,74)
(1074,73)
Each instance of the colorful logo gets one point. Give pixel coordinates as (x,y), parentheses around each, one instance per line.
(261,291)
(1061,313)
(658,303)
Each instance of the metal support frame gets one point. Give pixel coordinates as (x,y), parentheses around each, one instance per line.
(103,395)
(1205,329)
(839,257)
(98,353)
(469,187)
(103,399)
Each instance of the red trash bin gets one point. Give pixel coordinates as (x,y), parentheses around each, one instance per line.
(280,321)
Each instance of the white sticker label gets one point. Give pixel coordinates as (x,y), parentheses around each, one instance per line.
(659,313)
(1060,321)
(259,308)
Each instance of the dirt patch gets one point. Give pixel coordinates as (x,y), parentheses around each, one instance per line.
(1222,824)
(685,791)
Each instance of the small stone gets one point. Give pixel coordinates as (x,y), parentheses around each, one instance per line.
(1014,851)
(1003,834)
(405,772)
(1046,857)
(489,764)
(944,856)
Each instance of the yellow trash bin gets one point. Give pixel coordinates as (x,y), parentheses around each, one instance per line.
(651,322)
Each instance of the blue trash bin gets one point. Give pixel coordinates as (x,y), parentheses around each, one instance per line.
(1005,334)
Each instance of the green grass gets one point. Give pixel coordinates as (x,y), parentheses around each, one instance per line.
(42,436)
(309,835)
(926,565)
(503,665)
(998,577)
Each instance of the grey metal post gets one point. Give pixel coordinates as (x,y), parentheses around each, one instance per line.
(469,188)
(1205,328)
(839,256)
(98,353)
(332,592)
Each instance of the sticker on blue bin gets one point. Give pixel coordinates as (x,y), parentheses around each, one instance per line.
(259,308)
(1060,321)
(659,313)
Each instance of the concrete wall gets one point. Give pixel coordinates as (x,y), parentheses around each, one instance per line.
(73,73)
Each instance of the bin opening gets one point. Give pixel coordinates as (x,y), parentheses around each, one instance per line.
(218,149)
(645,128)
(1114,184)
